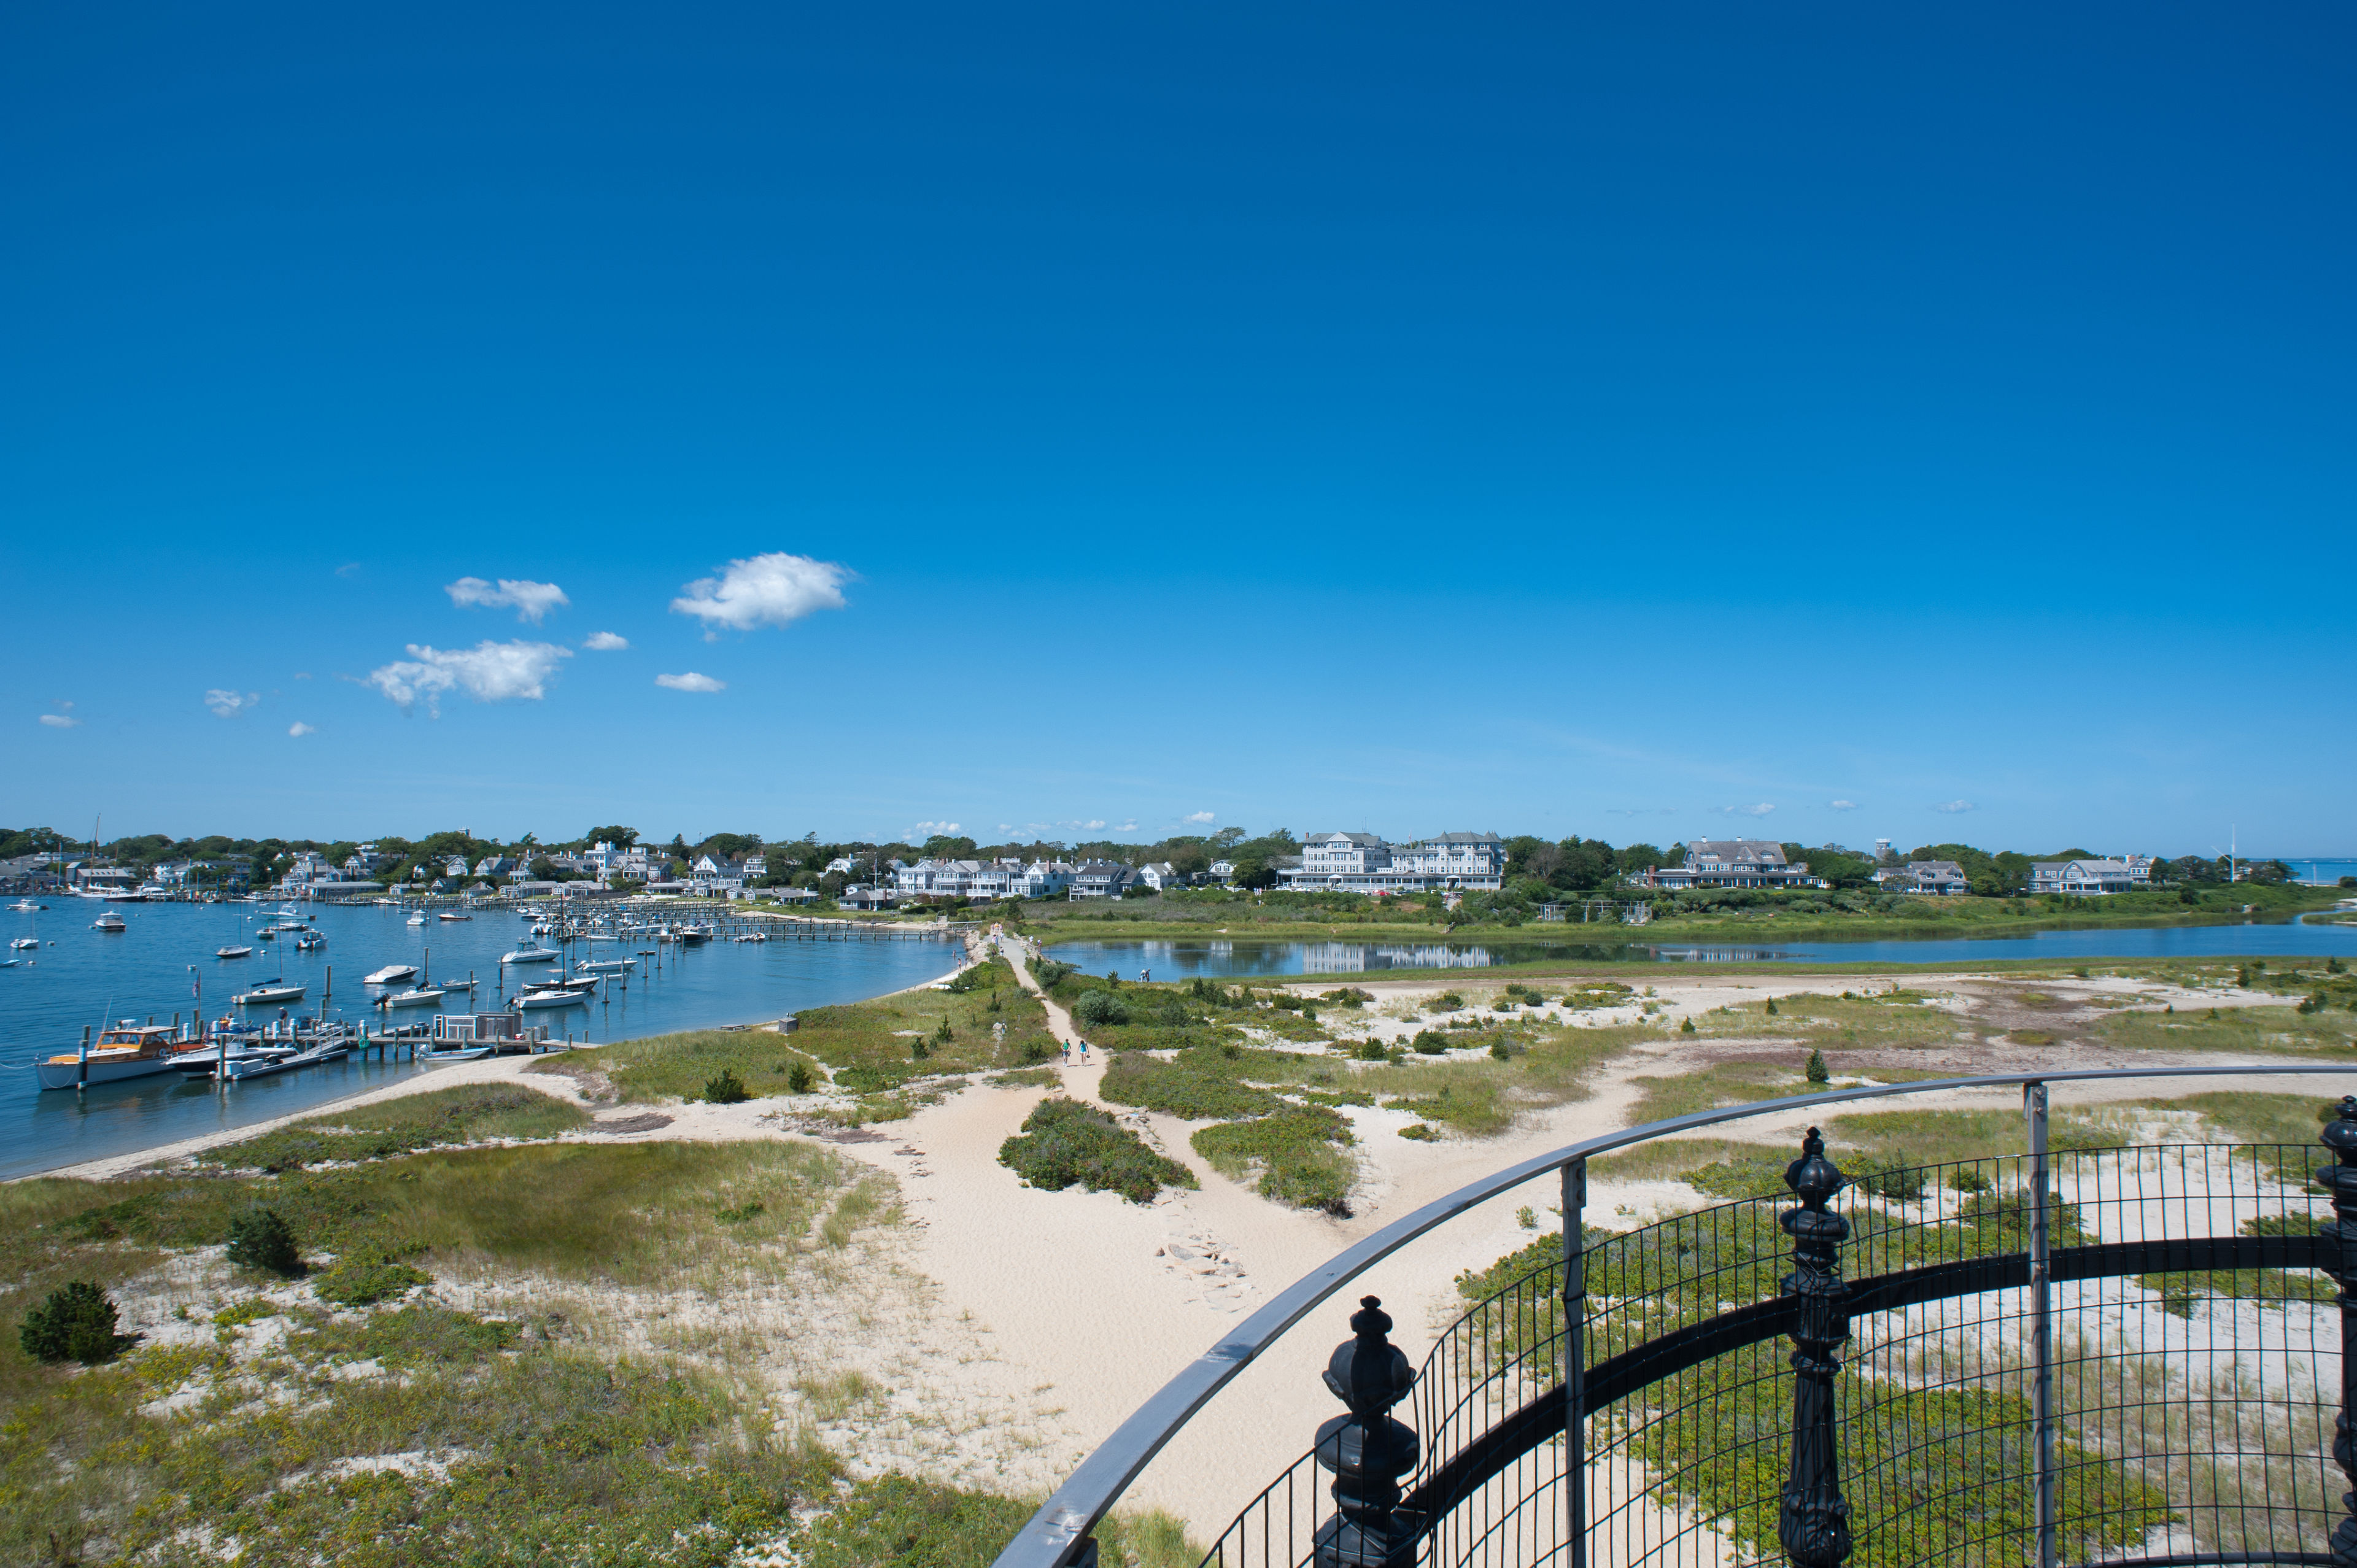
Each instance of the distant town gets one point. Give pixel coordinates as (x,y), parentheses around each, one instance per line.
(1443,870)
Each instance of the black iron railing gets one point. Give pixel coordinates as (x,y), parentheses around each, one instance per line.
(2127,1355)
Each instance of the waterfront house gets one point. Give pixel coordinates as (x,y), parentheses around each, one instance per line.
(1223,869)
(1730,863)
(2083,878)
(1161,875)
(712,875)
(757,866)
(1363,863)
(1102,879)
(496,865)
(1941,877)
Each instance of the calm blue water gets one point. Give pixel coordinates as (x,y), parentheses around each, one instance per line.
(1183,960)
(2324,871)
(157,967)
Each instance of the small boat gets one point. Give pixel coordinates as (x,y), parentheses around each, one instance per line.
(110,921)
(232,952)
(533,954)
(416,996)
(269,993)
(465,1053)
(23,942)
(446,915)
(127,1050)
(311,941)
(418,918)
(552,996)
(391,974)
(754,937)
(605,966)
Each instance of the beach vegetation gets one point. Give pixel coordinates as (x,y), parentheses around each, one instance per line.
(1064,1142)
(261,1238)
(1298,1156)
(73,1323)
(467,1113)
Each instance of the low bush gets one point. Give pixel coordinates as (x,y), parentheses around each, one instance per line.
(1064,1141)
(1430,1043)
(1197,1084)
(261,1238)
(1098,1008)
(799,1078)
(1420,1132)
(726,1089)
(1298,1154)
(75,1323)
(1371,1051)
(1447,1001)
(367,1276)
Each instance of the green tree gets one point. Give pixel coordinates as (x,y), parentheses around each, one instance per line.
(618,836)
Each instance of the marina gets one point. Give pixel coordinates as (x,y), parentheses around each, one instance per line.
(631,977)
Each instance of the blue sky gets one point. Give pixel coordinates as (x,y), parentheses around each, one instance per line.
(1648,427)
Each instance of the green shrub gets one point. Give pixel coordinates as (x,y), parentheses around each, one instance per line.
(75,1323)
(1420,1132)
(1686,1026)
(1447,1001)
(1891,1176)
(260,1239)
(1817,1071)
(1501,1051)
(1064,1141)
(1430,1043)
(367,1277)
(1098,1008)
(726,1089)
(799,1078)
(1296,1151)
(1369,1051)
(1197,1085)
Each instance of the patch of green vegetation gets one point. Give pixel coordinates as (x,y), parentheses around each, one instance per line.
(252,1309)
(261,1238)
(2265,1029)
(74,1323)
(726,1089)
(1709,1087)
(465,1114)
(2272,1289)
(367,1277)
(1298,1154)
(1065,1141)
(2252,1118)
(1025,1078)
(1200,1083)
(899,1521)
(858,1038)
(1419,1133)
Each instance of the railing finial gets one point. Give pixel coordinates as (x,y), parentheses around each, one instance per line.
(2341,1180)
(1814,1522)
(1367,1450)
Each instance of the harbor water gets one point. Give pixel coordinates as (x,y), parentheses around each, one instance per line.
(162,965)
(1182,960)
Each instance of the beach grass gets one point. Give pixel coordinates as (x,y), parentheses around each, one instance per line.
(865,1049)
(466,1114)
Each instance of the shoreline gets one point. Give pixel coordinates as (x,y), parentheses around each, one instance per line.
(106,1167)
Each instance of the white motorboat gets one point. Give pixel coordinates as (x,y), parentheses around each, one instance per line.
(391,974)
(311,941)
(605,966)
(270,993)
(418,918)
(533,954)
(552,996)
(463,1054)
(451,915)
(127,1050)
(416,996)
(110,921)
(232,952)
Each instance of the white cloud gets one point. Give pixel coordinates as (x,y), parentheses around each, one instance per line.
(1205,818)
(489,671)
(1952,806)
(1129,827)
(605,642)
(1761,810)
(299,729)
(1843,805)
(765,590)
(928,830)
(58,720)
(1092,822)
(530,600)
(1006,827)
(227,705)
(691,682)
(350,569)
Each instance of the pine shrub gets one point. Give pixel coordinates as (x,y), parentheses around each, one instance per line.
(76,1322)
(1817,1071)
(799,1079)
(261,1238)
(727,1088)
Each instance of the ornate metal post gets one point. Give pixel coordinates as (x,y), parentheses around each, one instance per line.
(1813,1522)
(2341,1179)
(1575,1361)
(1367,1450)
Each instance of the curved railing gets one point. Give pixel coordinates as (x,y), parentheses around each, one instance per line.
(1981,1302)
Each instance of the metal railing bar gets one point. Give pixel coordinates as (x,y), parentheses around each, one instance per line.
(1050,1537)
